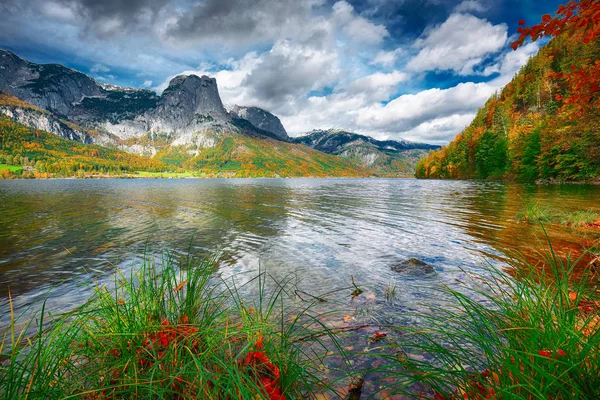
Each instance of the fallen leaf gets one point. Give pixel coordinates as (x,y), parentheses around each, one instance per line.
(347,318)
(180,286)
(378,336)
(572,296)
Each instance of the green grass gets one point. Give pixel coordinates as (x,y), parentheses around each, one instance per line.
(148,174)
(11,168)
(536,213)
(523,338)
(390,291)
(169,330)
(174,329)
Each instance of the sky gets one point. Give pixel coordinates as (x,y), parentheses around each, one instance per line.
(391,69)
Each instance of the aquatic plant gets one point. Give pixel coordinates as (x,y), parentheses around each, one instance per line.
(536,213)
(528,336)
(390,291)
(171,329)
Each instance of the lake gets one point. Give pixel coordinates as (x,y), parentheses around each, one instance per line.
(59,237)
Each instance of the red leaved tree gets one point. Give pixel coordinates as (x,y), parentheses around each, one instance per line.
(579,20)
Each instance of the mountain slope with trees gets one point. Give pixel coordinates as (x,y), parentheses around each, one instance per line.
(186,129)
(36,143)
(387,158)
(545,124)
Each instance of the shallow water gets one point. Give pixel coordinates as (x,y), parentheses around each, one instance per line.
(58,236)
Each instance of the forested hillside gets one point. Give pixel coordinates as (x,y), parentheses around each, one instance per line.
(545,124)
(243,156)
(28,152)
(43,154)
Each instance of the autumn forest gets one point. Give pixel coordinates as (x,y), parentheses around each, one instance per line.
(545,124)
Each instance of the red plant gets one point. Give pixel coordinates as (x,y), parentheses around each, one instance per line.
(269,373)
(545,353)
(579,19)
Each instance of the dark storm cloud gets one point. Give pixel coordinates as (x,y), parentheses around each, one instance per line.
(94,9)
(102,18)
(315,63)
(240,20)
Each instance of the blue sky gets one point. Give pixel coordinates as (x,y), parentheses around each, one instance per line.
(413,69)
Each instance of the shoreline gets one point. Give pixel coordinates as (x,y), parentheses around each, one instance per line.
(594,182)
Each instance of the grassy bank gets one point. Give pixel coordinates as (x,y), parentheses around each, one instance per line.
(533,337)
(169,331)
(536,213)
(173,329)
(11,168)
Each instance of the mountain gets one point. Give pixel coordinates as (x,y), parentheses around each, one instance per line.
(186,112)
(47,145)
(531,130)
(186,128)
(44,154)
(260,119)
(385,157)
(52,86)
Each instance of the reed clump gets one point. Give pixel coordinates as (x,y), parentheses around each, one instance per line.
(169,330)
(527,335)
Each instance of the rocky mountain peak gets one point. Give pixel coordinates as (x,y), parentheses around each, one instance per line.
(50,86)
(261,119)
(189,95)
(334,140)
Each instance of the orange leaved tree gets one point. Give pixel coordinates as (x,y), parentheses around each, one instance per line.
(579,20)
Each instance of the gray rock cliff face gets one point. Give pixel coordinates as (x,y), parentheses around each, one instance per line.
(334,141)
(45,122)
(189,96)
(189,110)
(188,107)
(51,86)
(261,119)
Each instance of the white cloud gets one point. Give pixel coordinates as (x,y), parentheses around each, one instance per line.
(509,63)
(459,44)
(99,68)
(439,130)
(289,70)
(387,58)
(434,115)
(408,111)
(58,11)
(471,6)
(355,27)
(378,86)
(147,84)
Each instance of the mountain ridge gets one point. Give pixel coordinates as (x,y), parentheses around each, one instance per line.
(190,104)
(390,158)
(181,124)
